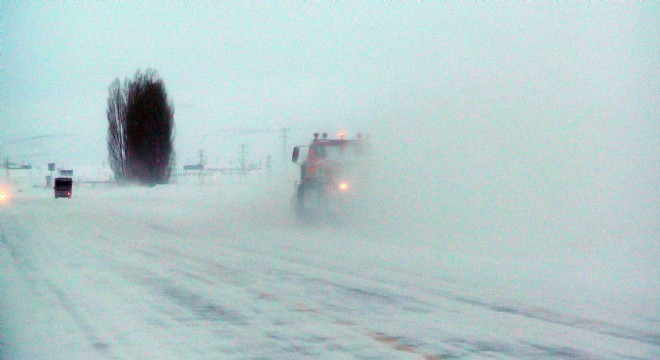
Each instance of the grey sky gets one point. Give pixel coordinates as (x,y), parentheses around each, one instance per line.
(331,66)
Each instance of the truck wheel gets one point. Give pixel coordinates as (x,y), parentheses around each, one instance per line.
(300,198)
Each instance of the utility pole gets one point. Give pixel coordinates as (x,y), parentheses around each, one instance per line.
(268,164)
(201,167)
(201,158)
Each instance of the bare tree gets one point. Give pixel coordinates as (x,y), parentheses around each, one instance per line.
(141,130)
(116,114)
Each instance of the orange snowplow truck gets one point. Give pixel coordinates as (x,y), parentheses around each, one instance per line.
(327,175)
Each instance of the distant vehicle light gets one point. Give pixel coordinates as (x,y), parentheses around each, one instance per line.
(343,186)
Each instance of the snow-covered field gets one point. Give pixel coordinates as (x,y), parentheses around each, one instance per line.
(223,271)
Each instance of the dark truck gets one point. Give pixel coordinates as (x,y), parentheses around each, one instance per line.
(63,187)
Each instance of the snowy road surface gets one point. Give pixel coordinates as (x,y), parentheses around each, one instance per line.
(214,272)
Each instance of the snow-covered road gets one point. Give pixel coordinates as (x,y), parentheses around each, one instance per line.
(223,271)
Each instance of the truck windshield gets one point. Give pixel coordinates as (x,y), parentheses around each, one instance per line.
(62,182)
(338,153)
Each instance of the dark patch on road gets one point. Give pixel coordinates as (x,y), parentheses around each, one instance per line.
(596,326)
(200,307)
(12,250)
(480,347)
(560,352)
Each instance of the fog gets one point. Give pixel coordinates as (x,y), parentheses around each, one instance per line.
(512,144)
(564,190)
(537,146)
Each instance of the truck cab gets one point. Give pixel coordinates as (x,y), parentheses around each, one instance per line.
(328,174)
(63,187)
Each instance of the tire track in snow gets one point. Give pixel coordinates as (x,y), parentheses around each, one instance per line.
(201,307)
(95,340)
(36,277)
(538,313)
(193,301)
(425,295)
(577,322)
(204,309)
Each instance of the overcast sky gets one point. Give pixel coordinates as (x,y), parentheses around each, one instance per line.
(309,66)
